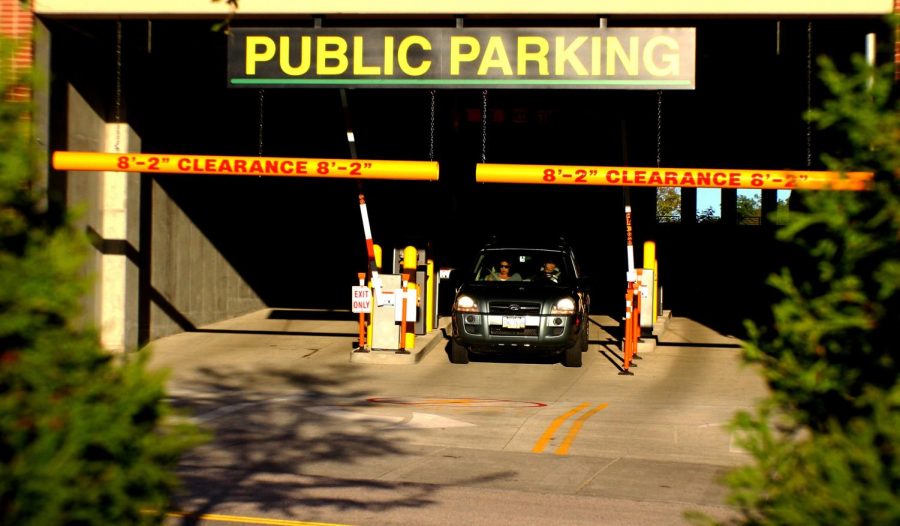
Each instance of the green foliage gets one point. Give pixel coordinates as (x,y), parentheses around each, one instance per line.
(708,216)
(668,204)
(84,436)
(782,211)
(749,209)
(826,442)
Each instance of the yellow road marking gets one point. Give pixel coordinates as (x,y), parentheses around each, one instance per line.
(247,520)
(551,429)
(563,448)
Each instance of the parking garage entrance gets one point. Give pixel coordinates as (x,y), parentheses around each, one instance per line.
(207,248)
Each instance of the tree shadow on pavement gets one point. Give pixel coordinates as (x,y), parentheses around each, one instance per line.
(292,445)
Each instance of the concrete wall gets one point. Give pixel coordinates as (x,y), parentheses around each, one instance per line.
(85,132)
(152,271)
(105,206)
(117,241)
(191,284)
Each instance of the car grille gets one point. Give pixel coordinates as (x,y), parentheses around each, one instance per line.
(514,308)
(497,330)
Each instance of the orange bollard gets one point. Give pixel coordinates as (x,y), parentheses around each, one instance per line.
(627,340)
(402,349)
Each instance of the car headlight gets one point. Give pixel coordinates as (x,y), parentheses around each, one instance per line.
(466,304)
(564,306)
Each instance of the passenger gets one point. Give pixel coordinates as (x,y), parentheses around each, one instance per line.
(504,273)
(549,272)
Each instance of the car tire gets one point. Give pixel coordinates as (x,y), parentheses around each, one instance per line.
(458,353)
(572,355)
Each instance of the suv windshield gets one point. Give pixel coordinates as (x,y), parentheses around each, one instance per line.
(523,265)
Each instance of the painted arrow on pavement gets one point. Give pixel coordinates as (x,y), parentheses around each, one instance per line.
(416,421)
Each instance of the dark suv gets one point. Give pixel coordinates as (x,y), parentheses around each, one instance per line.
(521,297)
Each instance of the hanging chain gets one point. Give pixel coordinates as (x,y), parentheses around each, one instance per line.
(484,126)
(808,94)
(658,128)
(431,138)
(117,117)
(262,94)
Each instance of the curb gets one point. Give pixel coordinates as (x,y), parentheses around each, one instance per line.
(648,343)
(424,344)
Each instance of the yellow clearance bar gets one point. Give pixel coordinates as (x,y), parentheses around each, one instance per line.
(254,166)
(683,177)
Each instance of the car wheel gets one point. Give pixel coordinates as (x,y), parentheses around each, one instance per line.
(585,336)
(572,356)
(458,353)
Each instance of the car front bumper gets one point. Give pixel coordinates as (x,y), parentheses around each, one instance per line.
(499,332)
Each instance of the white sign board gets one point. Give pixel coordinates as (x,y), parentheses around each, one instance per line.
(647,299)
(362,299)
(410,305)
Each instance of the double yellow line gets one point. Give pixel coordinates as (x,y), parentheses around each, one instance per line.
(215,517)
(554,426)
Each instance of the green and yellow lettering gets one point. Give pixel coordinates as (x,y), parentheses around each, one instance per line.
(523,56)
(388,56)
(495,57)
(566,54)
(331,48)
(456,54)
(596,49)
(670,64)
(253,56)
(403,55)
(614,51)
(284,56)
(359,68)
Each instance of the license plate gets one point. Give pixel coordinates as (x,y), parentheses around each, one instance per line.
(513,322)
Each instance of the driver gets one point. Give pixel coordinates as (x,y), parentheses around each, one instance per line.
(550,272)
(504,274)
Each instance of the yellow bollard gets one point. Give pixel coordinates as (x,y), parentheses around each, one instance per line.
(655,290)
(403,303)
(377,249)
(410,259)
(429,296)
(650,264)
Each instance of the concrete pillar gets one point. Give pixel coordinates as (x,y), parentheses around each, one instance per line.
(729,206)
(119,241)
(768,205)
(689,206)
